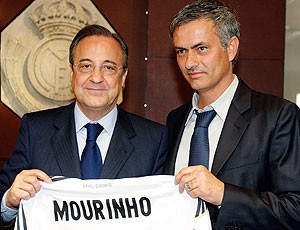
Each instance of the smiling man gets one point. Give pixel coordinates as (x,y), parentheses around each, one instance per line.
(91,138)
(235,149)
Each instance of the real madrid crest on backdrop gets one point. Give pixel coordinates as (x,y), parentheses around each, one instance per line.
(35,71)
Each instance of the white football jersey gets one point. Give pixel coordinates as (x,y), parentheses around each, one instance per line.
(145,203)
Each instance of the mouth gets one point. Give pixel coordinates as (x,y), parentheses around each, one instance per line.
(95,91)
(195,74)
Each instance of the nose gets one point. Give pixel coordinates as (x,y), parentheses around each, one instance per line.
(96,76)
(191,61)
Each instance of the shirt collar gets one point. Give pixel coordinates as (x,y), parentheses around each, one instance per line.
(107,122)
(221,105)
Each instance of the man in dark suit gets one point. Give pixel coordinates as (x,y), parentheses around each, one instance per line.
(51,142)
(252,180)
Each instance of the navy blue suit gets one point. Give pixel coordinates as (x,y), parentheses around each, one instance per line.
(47,141)
(258,159)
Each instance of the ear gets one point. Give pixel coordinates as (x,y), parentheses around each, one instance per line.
(124,75)
(71,71)
(72,77)
(232,48)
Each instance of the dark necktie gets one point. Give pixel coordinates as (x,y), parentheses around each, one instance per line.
(199,148)
(91,160)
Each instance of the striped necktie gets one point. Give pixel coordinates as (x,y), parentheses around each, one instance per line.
(199,148)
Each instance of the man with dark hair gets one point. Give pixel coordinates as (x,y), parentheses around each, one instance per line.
(244,165)
(91,138)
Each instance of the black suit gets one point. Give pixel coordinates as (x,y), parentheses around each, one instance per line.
(47,141)
(258,159)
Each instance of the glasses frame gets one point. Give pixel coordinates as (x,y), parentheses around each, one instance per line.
(101,68)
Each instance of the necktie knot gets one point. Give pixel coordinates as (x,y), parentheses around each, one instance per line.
(204,119)
(93,131)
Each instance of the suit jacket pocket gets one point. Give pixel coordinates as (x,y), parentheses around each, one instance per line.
(238,160)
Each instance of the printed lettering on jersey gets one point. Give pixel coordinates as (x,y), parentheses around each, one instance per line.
(152,202)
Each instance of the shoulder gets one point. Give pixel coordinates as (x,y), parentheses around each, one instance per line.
(246,97)
(181,109)
(49,115)
(178,114)
(272,103)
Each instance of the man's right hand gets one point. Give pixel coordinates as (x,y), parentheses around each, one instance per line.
(25,186)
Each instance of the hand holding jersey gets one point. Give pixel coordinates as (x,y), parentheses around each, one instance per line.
(151,202)
(25,185)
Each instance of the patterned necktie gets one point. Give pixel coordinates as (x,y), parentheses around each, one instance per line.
(91,160)
(199,148)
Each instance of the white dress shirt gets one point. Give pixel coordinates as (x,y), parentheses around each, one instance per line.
(221,106)
(107,122)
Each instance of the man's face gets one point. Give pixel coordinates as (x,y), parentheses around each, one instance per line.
(97,91)
(204,63)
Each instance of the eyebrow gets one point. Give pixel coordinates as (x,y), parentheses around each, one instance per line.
(193,47)
(105,61)
(197,45)
(179,48)
(85,59)
(109,61)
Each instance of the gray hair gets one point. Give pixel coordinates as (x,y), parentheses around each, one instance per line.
(91,30)
(223,16)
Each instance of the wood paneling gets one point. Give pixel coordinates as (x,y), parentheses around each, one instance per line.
(262,28)
(166,88)
(129,19)
(260,62)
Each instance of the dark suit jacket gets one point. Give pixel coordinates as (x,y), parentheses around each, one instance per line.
(47,141)
(258,159)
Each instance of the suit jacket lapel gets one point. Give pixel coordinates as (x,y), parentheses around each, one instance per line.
(234,127)
(120,147)
(177,125)
(65,143)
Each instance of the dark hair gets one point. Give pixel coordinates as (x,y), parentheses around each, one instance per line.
(223,16)
(91,30)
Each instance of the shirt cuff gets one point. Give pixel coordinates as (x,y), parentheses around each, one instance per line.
(7,214)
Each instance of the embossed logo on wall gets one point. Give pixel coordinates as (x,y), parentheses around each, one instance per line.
(35,72)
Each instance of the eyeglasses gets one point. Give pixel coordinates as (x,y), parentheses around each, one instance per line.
(106,68)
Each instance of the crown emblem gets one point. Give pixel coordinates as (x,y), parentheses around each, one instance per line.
(60,17)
